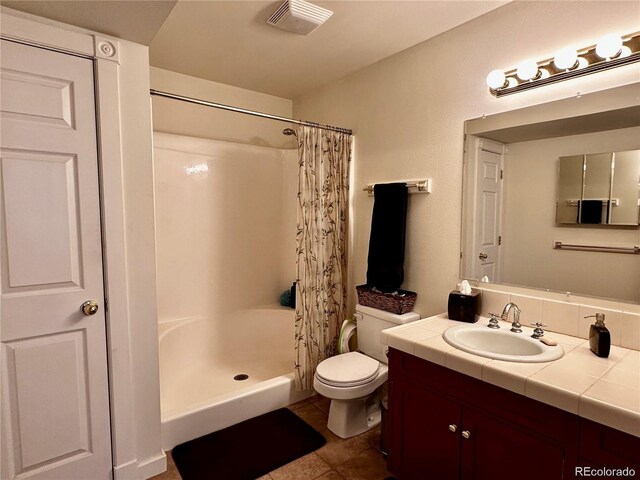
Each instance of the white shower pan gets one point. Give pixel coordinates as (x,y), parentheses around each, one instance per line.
(198,363)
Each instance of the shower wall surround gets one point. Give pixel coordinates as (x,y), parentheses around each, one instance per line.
(225,225)
(225,207)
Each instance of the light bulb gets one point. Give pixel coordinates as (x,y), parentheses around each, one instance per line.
(609,46)
(625,52)
(566,59)
(527,70)
(496,79)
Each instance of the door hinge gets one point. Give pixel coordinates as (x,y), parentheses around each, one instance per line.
(106,305)
(501,174)
(460,254)
(500,240)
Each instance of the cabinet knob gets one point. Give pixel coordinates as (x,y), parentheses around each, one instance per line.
(466,434)
(453,427)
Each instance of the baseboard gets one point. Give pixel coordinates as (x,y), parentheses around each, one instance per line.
(152,466)
(127,471)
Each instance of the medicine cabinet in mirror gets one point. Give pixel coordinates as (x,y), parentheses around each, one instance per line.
(531,179)
(599,189)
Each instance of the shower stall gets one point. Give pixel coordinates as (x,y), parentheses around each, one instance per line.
(225,241)
(225,216)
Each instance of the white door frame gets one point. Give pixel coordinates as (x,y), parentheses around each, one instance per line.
(104,51)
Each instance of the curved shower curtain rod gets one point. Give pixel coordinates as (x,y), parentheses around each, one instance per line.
(248,112)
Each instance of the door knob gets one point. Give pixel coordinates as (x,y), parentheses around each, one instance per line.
(483,256)
(90,307)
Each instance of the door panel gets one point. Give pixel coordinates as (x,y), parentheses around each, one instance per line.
(495,447)
(37,98)
(422,445)
(45,182)
(60,405)
(489,188)
(55,404)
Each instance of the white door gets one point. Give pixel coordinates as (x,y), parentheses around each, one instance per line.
(55,399)
(489,210)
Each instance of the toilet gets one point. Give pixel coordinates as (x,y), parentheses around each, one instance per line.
(354,380)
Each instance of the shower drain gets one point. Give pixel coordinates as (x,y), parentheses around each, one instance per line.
(241,376)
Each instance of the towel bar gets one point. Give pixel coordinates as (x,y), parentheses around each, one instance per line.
(614,201)
(421,186)
(635,250)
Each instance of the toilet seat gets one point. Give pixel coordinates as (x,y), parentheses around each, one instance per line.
(348,370)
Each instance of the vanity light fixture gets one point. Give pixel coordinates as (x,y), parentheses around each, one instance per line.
(611,51)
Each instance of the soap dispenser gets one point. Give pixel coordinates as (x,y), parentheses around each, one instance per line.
(599,336)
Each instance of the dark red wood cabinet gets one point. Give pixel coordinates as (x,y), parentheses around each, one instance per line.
(443,425)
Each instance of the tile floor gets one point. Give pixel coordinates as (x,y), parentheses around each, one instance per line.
(356,458)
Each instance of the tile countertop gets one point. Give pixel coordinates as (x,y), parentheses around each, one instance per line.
(605,390)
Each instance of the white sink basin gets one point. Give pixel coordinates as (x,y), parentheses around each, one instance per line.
(500,344)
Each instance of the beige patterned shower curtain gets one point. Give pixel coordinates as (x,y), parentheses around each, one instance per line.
(321,246)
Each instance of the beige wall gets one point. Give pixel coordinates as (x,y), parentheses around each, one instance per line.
(529,222)
(172,116)
(407,113)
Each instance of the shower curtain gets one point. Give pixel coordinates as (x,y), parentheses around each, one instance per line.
(321,246)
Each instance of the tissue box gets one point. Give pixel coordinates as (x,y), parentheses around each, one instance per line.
(464,307)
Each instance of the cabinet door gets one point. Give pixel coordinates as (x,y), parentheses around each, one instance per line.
(496,449)
(422,446)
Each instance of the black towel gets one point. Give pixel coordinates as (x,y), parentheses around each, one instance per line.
(591,211)
(386,243)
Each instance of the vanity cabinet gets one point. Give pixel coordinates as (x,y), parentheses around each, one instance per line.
(604,447)
(444,425)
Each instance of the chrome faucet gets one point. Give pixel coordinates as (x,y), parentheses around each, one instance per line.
(515,326)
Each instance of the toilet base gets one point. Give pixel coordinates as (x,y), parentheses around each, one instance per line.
(348,418)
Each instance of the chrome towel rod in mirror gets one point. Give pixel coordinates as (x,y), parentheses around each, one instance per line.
(421,186)
(635,250)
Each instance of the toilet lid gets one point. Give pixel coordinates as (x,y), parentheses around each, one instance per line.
(347,370)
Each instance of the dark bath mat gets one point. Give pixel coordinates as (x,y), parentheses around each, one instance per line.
(248,450)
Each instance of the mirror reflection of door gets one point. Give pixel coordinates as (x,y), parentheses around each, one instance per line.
(487,240)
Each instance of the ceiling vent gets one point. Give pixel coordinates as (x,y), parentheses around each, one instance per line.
(299,17)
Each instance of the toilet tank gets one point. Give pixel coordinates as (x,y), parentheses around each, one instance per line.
(371,322)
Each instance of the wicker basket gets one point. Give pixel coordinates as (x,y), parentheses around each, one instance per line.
(400,303)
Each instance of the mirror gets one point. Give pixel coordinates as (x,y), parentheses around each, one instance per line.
(599,189)
(521,166)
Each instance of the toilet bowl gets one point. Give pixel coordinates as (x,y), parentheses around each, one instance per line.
(354,380)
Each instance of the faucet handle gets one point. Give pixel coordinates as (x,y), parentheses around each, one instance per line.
(493,321)
(538,332)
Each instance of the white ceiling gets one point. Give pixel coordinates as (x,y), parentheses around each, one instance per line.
(135,20)
(230,42)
